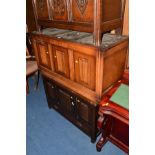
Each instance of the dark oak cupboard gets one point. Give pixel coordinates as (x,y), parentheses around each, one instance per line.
(73,107)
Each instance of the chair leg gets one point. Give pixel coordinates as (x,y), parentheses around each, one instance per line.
(27,87)
(37,80)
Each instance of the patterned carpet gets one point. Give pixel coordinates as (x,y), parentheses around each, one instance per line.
(49,133)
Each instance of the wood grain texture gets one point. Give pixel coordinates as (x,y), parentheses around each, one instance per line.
(83,67)
(126,19)
(95,16)
(61,60)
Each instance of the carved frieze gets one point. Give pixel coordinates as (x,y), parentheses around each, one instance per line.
(82,4)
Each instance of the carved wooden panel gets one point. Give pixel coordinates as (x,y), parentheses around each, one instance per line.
(61,60)
(84,70)
(82,10)
(111,9)
(58,9)
(42,9)
(82,110)
(43,54)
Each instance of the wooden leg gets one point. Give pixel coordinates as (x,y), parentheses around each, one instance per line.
(27,87)
(106,129)
(37,80)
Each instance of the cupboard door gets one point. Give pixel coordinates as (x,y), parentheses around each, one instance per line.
(61,61)
(59,9)
(83,111)
(84,70)
(42,9)
(66,102)
(51,92)
(43,54)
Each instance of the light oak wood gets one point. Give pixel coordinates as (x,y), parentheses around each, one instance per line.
(86,69)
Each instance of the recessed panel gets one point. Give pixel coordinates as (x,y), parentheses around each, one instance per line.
(82,10)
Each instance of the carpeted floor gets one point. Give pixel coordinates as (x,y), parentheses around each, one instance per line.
(49,133)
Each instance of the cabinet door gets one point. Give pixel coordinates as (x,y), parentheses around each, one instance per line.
(42,9)
(43,54)
(51,92)
(66,102)
(61,60)
(85,70)
(83,111)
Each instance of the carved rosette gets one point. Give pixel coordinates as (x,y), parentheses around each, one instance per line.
(59,7)
(82,4)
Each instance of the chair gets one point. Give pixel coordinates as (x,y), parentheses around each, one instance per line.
(31,69)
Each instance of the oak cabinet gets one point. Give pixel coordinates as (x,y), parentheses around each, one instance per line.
(76,73)
(78,64)
(70,105)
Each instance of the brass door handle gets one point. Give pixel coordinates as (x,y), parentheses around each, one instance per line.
(76,61)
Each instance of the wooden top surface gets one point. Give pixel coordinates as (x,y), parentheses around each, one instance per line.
(115,107)
(108,39)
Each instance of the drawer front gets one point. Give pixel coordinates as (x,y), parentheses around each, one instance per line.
(61,60)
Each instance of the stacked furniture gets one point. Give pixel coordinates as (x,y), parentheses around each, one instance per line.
(77,58)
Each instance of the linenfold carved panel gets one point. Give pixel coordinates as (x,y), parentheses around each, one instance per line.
(82,4)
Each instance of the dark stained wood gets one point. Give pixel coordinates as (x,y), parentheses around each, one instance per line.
(70,105)
(113,119)
(30,17)
(95,16)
